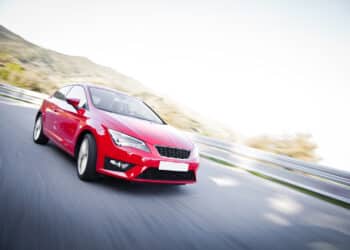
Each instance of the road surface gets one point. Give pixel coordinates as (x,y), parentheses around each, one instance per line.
(43,205)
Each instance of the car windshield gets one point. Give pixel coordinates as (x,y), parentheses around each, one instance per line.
(117,103)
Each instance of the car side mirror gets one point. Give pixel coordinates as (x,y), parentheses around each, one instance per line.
(74,102)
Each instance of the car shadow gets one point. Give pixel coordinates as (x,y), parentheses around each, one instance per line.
(140,188)
(60,152)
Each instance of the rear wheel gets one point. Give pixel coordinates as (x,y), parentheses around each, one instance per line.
(86,162)
(38,135)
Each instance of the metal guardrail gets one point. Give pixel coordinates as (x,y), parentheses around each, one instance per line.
(21,94)
(319,179)
(232,151)
(286,162)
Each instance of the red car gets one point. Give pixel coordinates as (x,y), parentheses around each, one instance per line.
(111,133)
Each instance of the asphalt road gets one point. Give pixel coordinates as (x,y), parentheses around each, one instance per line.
(43,205)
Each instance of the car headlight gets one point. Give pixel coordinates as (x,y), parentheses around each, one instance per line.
(124,140)
(195,152)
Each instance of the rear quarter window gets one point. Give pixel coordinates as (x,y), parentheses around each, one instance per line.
(62,92)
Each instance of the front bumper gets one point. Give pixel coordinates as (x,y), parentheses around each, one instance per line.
(144,165)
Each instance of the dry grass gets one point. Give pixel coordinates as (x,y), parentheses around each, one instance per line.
(298,146)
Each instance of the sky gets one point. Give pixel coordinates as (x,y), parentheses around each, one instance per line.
(261,67)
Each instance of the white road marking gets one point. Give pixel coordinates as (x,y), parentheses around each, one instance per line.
(285,204)
(276,219)
(224,181)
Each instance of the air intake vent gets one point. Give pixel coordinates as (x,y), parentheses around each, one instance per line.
(156,174)
(173,152)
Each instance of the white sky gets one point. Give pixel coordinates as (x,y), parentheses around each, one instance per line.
(268,67)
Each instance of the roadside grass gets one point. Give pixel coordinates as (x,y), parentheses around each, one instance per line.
(299,189)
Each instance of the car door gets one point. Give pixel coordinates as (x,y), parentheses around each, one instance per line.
(52,110)
(71,118)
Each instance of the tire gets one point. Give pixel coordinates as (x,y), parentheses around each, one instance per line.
(38,135)
(86,159)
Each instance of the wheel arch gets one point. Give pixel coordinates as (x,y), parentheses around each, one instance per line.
(80,139)
(37,114)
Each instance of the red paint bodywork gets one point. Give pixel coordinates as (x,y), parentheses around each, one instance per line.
(63,124)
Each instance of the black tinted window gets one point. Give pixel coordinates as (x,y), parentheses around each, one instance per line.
(78,92)
(61,93)
(115,102)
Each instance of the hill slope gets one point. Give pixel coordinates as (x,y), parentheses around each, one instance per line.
(27,65)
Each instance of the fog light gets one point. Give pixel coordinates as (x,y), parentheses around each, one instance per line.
(117,165)
(120,164)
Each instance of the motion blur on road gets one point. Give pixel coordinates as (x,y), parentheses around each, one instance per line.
(45,206)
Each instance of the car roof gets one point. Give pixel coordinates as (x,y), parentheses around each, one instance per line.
(88,85)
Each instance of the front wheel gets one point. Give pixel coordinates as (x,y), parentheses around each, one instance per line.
(38,135)
(86,163)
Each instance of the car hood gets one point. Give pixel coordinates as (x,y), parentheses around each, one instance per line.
(152,133)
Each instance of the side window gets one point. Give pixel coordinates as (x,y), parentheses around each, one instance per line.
(62,92)
(78,92)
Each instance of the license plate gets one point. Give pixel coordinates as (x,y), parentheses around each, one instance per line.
(173,166)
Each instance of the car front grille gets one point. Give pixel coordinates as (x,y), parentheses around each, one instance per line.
(173,152)
(164,175)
